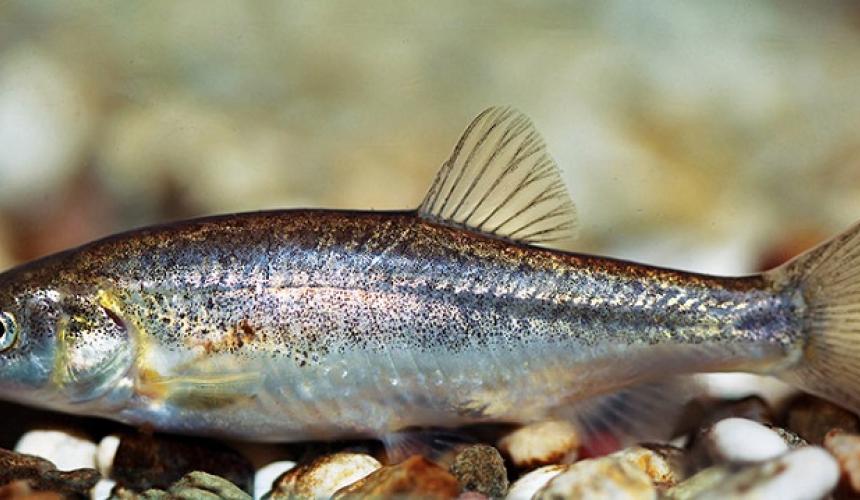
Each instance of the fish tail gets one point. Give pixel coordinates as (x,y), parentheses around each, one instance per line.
(828,281)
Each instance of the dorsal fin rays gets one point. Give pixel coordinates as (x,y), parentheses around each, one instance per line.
(500,180)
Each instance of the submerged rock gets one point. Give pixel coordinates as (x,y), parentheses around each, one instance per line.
(105,454)
(202,485)
(750,407)
(265,476)
(800,474)
(737,440)
(322,477)
(21,490)
(66,450)
(37,474)
(414,477)
(664,464)
(606,477)
(143,462)
(791,438)
(480,468)
(812,418)
(527,485)
(192,486)
(541,443)
(845,448)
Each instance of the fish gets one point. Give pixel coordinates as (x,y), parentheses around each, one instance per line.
(309,324)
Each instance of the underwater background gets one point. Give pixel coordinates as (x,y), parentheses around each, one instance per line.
(712,136)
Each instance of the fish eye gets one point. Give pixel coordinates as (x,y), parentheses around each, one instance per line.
(8,331)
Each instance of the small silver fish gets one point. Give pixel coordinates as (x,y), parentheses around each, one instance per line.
(315,324)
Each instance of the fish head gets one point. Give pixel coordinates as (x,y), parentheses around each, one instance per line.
(61,347)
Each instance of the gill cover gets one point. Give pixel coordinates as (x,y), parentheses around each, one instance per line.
(93,347)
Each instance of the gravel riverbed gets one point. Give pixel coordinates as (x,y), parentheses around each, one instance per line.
(740,448)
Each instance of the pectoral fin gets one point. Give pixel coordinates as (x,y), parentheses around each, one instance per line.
(198,391)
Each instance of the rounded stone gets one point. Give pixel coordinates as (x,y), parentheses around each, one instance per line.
(742,440)
(530,483)
(322,477)
(65,450)
(606,477)
(541,443)
(481,468)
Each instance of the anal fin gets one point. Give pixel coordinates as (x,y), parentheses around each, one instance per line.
(645,412)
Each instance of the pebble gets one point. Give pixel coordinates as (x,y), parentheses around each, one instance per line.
(541,443)
(741,440)
(21,490)
(528,484)
(266,475)
(791,438)
(145,461)
(664,464)
(41,475)
(481,468)
(414,477)
(472,495)
(812,418)
(102,489)
(66,451)
(192,486)
(105,453)
(323,476)
(605,477)
(750,408)
(801,474)
(845,448)
(198,484)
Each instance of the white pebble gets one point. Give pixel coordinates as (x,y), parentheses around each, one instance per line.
(742,440)
(325,475)
(527,485)
(267,474)
(541,443)
(804,473)
(102,489)
(663,466)
(105,454)
(66,451)
(605,477)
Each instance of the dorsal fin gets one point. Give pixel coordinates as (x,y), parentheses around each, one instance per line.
(500,180)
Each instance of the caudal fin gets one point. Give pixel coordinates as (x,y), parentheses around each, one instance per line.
(828,278)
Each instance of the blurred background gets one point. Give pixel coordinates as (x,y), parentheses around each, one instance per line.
(714,136)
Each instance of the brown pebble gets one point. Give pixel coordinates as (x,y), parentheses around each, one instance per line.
(144,462)
(750,407)
(845,447)
(40,475)
(481,468)
(812,418)
(472,495)
(414,477)
(21,490)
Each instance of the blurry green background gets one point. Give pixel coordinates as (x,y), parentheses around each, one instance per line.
(717,136)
